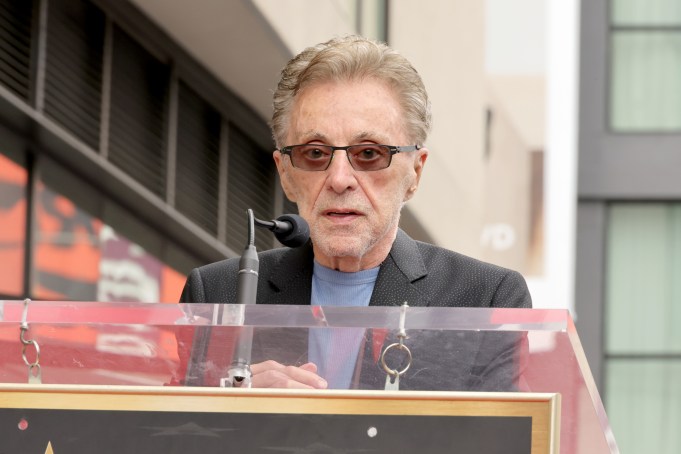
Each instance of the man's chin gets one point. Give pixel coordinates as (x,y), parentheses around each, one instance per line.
(342,246)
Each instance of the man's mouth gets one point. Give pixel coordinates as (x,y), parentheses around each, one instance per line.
(341,213)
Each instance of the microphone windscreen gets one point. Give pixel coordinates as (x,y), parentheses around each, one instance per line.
(297,235)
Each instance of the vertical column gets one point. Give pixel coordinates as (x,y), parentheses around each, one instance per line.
(107,71)
(171,146)
(223,182)
(40,58)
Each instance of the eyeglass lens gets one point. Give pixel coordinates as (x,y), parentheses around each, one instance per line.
(363,157)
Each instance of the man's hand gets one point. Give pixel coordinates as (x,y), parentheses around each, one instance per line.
(271,374)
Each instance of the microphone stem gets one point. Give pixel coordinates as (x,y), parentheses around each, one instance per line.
(239,373)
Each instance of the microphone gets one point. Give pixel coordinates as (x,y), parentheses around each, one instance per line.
(291,230)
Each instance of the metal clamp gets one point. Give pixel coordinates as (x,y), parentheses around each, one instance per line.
(402,335)
(34,375)
(238,376)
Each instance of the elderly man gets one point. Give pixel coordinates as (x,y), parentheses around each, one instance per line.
(350,120)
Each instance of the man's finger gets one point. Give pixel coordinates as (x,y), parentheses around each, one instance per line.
(271,374)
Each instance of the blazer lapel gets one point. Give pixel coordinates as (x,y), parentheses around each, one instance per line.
(289,281)
(400,270)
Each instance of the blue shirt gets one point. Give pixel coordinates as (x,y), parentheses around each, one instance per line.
(335,350)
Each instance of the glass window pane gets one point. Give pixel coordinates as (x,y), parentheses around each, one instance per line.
(89,248)
(643,286)
(66,249)
(646,12)
(172,283)
(73,67)
(16,45)
(643,399)
(646,81)
(139,101)
(134,264)
(250,180)
(13,179)
(198,160)
(372,19)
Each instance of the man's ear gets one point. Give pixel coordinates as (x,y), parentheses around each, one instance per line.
(284,175)
(419,162)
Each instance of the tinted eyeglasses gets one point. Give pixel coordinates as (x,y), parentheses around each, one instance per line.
(364,157)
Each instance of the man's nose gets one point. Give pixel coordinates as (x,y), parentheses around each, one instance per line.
(340,174)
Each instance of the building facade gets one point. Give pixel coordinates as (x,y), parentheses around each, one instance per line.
(125,162)
(628,262)
(133,137)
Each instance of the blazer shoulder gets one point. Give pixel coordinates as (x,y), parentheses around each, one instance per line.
(211,283)
(217,282)
(460,280)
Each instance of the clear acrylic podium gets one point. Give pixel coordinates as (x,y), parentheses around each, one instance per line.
(153,371)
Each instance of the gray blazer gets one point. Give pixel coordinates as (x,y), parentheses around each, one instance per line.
(419,273)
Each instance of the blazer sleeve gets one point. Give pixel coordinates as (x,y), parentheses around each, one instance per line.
(512,291)
(193,291)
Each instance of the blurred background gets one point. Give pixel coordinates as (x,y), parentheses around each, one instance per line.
(133,137)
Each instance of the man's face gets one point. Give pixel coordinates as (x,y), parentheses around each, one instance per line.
(353,215)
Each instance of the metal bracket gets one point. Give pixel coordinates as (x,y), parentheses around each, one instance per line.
(34,374)
(392,379)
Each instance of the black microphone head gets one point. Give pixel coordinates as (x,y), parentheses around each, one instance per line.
(297,235)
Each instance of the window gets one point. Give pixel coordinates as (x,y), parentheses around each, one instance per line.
(73,80)
(13,180)
(250,185)
(139,97)
(15,46)
(643,315)
(88,248)
(198,160)
(645,89)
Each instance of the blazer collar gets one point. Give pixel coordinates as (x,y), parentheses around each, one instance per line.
(290,280)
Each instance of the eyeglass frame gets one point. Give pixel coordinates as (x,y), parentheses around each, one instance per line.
(392,149)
